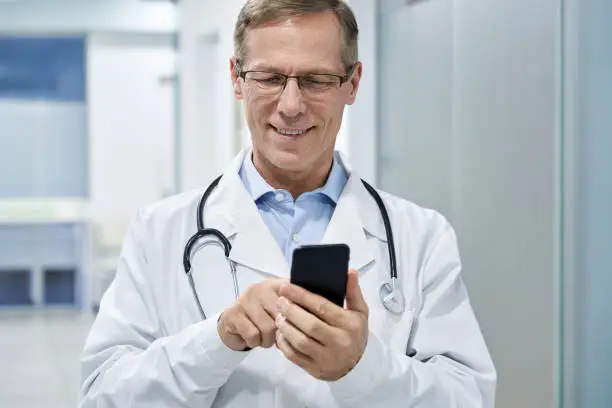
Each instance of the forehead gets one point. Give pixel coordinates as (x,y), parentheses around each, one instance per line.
(309,41)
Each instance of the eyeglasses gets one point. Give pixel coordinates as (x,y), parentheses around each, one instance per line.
(312,85)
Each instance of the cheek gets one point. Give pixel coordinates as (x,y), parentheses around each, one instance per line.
(258,110)
(330,113)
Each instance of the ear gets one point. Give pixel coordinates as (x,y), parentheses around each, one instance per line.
(354,82)
(236,81)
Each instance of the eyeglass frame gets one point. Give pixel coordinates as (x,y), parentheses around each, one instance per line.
(343,79)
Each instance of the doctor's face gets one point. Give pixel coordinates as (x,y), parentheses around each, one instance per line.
(294,125)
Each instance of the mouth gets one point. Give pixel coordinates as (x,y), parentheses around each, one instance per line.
(293,133)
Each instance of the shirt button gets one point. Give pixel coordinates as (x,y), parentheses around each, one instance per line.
(295,237)
(280,196)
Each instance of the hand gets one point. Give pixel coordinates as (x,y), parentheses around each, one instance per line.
(319,336)
(249,322)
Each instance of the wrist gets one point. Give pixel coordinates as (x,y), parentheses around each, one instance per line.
(366,375)
(352,364)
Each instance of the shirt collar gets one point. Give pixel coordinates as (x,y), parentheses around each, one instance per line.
(258,187)
(335,182)
(253,181)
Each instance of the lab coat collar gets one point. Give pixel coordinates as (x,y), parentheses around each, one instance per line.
(233,211)
(369,215)
(355,216)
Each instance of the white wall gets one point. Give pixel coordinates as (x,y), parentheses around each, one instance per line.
(131,123)
(208,111)
(506,195)
(41,149)
(469,97)
(362,118)
(415,96)
(67,16)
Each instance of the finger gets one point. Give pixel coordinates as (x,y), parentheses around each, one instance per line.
(268,303)
(293,355)
(276,284)
(315,304)
(297,339)
(247,330)
(263,322)
(266,293)
(354,296)
(306,322)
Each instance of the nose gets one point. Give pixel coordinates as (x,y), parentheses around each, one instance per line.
(291,101)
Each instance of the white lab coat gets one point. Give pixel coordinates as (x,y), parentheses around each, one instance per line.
(149,348)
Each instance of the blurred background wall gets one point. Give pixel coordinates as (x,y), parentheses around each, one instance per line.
(469,127)
(587,200)
(87,130)
(495,113)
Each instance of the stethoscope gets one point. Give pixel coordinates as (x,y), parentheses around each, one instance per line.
(391,295)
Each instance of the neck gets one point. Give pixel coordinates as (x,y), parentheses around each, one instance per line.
(296,182)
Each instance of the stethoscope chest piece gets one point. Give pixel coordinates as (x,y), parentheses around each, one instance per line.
(392,298)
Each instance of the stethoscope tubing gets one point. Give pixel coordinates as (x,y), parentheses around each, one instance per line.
(393,300)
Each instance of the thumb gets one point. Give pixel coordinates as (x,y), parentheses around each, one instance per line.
(354,297)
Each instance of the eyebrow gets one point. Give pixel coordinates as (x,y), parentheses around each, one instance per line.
(272,69)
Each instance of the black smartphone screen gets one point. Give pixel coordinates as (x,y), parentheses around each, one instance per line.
(322,269)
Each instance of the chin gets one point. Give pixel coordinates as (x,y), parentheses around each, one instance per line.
(287,160)
(288,153)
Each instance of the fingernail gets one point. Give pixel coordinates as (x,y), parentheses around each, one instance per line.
(279,320)
(282,304)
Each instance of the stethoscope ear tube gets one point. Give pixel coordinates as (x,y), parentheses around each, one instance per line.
(203,200)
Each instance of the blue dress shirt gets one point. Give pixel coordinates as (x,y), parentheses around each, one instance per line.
(294,222)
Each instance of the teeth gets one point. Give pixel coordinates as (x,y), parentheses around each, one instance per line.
(291,132)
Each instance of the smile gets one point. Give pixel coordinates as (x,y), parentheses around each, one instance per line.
(292,132)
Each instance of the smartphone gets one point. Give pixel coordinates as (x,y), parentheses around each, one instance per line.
(322,269)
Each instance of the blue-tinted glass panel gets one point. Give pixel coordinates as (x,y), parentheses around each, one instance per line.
(15,287)
(42,68)
(43,149)
(60,286)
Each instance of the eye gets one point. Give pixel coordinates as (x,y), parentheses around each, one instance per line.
(265,78)
(272,80)
(319,81)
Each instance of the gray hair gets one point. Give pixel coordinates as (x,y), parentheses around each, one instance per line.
(258,12)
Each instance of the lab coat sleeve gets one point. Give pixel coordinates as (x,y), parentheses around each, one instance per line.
(128,362)
(452,367)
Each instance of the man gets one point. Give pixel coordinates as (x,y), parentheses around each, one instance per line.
(275,344)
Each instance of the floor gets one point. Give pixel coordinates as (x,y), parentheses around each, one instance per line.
(39,354)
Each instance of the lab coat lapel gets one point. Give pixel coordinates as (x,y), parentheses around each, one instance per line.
(356,213)
(234,210)
(255,247)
